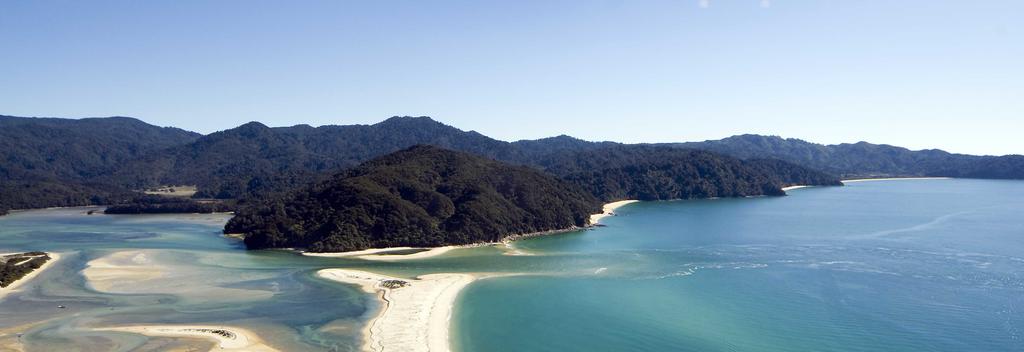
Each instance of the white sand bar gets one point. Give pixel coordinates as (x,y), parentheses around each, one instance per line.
(380,254)
(118,271)
(227,338)
(790,188)
(609,210)
(895,179)
(54,257)
(415,317)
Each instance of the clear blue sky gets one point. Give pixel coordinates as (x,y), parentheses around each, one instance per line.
(921,74)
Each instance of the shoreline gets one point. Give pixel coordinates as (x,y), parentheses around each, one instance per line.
(415,313)
(227,338)
(894,179)
(608,209)
(54,257)
(380,254)
(855,180)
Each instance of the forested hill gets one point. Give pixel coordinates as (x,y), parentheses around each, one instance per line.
(253,159)
(428,196)
(421,196)
(78,149)
(661,173)
(63,162)
(865,159)
(47,162)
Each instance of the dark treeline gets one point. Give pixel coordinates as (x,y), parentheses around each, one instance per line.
(422,196)
(49,162)
(152,204)
(661,173)
(16,266)
(281,178)
(19,194)
(864,159)
(60,162)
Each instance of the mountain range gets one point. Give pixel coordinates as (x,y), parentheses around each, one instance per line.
(62,162)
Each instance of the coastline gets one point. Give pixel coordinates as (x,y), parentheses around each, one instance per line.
(227,338)
(416,313)
(380,254)
(54,257)
(894,179)
(855,180)
(609,210)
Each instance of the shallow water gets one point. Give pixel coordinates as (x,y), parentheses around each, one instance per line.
(928,265)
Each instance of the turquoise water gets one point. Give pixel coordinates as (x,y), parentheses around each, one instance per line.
(934,265)
(929,265)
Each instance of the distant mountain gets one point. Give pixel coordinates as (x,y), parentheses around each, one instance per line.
(252,159)
(865,159)
(57,162)
(421,196)
(78,149)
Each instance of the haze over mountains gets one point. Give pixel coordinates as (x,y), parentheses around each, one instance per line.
(64,162)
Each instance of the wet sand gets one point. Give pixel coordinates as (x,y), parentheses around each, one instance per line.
(415,317)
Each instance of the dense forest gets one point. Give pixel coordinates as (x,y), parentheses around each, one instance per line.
(421,196)
(15,266)
(61,162)
(154,204)
(660,173)
(253,159)
(50,162)
(866,160)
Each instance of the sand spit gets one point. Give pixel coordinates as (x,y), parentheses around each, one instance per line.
(790,188)
(416,313)
(227,338)
(895,179)
(609,210)
(54,257)
(380,254)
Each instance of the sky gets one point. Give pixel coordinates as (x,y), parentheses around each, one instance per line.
(919,74)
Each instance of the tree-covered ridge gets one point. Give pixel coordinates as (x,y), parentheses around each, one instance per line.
(864,159)
(50,162)
(60,162)
(421,196)
(662,173)
(53,148)
(253,159)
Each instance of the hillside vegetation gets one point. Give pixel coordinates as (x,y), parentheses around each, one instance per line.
(421,196)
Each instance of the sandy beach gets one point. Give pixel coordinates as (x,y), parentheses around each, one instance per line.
(790,188)
(894,179)
(415,317)
(379,254)
(609,210)
(227,338)
(54,257)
